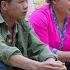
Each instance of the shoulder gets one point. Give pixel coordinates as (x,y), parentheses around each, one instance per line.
(40,16)
(42,11)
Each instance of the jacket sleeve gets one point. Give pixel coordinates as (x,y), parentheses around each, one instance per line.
(38,50)
(6,51)
(39,22)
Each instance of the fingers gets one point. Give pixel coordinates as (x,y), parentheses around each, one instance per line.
(60,62)
(53,68)
(54,64)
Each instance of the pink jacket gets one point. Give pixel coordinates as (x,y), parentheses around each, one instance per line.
(45,28)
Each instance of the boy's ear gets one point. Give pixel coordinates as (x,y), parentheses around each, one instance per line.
(4,5)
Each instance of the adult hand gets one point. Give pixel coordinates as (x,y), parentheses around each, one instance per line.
(28,64)
(51,64)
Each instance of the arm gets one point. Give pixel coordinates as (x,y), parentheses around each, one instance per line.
(28,64)
(38,50)
(12,56)
(6,51)
(39,22)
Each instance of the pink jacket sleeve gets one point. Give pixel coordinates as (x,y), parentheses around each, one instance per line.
(40,24)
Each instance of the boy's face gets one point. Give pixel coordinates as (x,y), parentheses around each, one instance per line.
(16,9)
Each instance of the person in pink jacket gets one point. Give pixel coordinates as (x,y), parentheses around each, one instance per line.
(52,25)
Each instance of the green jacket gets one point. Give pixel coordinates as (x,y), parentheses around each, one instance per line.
(29,44)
